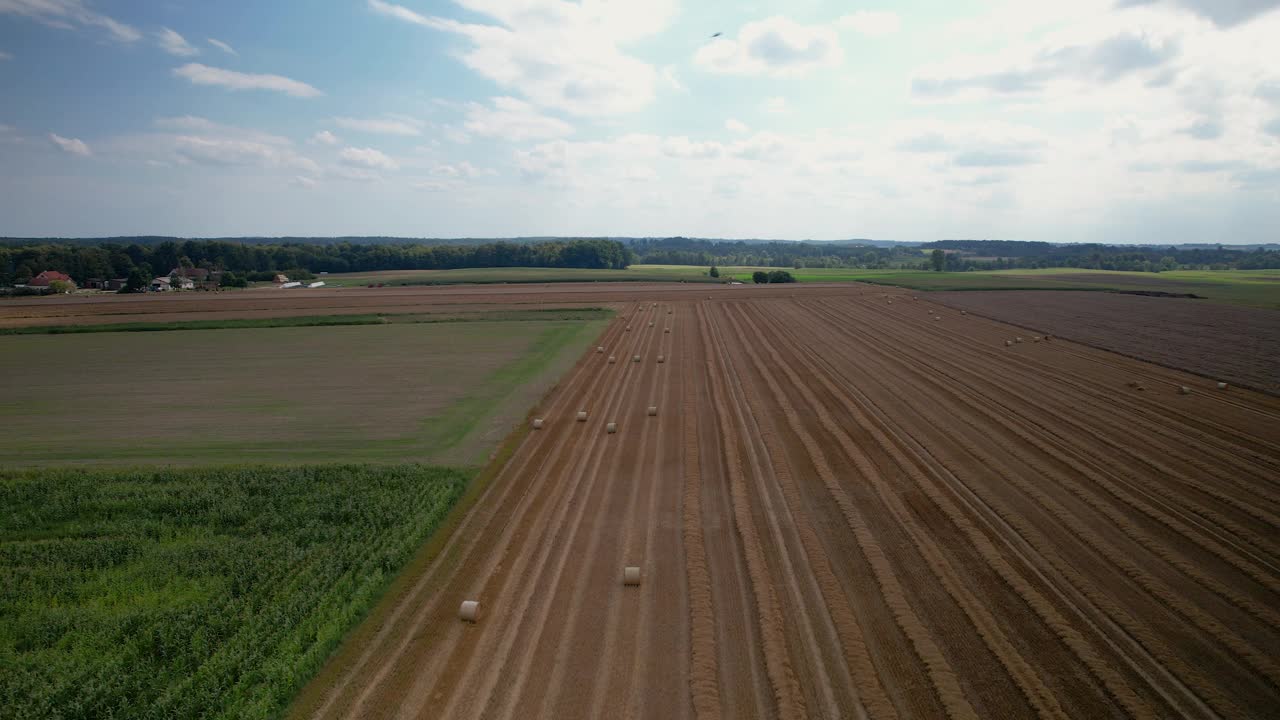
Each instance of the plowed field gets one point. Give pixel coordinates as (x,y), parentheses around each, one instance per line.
(844,508)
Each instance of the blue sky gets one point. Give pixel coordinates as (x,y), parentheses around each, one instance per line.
(1131,121)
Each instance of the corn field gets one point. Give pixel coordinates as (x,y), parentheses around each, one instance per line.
(195,592)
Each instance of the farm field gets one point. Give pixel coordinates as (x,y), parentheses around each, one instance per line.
(195,593)
(1236,344)
(442,393)
(845,508)
(635,273)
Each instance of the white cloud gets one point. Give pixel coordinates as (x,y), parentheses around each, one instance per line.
(303,181)
(513,120)
(736,126)
(557,54)
(1222,12)
(367,158)
(222,46)
(324,137)
(74,146)
(174,44)
(380,126)
(462,170)
(670,77)
(871,23)
(775,105)
(232,80)
(356,174)
(775,46)
(67,14)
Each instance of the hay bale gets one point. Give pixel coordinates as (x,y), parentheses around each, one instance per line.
(628,328)
(599,348)
(631,575)
(611,428)
(1184,390)
(653,410)
(612,360)
(662,358)
(582,416)
(1017,339)
(1008,343)
(469,611)
(537,423)
(964,312)
(650,323)
(666,330)
(635,358)
(1222,386)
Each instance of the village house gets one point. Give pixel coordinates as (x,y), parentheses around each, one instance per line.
(48,276)
(165,284)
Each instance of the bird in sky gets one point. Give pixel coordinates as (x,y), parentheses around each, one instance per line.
(717,35)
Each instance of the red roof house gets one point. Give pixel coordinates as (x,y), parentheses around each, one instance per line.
(48,276)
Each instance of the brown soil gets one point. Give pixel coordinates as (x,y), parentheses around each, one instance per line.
(1236,344)
(845,508)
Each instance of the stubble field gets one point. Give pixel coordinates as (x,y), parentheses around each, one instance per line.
(846,508)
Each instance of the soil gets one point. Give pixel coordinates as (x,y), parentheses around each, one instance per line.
(846,508)
(1239,345)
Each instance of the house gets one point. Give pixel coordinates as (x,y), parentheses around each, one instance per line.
(48,276)
(117,283)
(280,279)
(196,274)
(96,283)
(165,284)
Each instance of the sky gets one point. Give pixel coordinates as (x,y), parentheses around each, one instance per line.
(1119,121)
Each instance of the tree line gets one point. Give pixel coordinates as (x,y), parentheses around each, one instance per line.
(20,262)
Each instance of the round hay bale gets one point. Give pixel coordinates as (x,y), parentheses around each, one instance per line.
(611,428)
(599,348)
(1141,388)
(628,328)
(653,410)
(662,358)
(650,323)
(666,330)
(1222,386)
(582,416)
(469,611)
(537,423)
(1017,339)
(937,317)
(668,311)
(1008,343)
(1184,390)
(964,312)
(635,358)
(612,360)
(631,575)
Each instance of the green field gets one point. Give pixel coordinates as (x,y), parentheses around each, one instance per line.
(195,593)
(440,393)
(636,273)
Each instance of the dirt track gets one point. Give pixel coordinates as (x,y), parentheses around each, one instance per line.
(845,508)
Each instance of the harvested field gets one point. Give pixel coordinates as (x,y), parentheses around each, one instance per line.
(267,303)
(1221,342)
(845,509)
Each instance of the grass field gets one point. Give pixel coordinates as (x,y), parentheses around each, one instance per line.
(443,393)
(636,273)
(195,593)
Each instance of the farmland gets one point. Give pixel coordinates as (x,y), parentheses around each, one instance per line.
(194,593)
(437,392)
(845,508)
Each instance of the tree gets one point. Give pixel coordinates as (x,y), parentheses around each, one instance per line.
(60,286)
(939,260)
(760,277)
(230,279)
(715,272)
(781,276)
(136,283)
